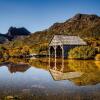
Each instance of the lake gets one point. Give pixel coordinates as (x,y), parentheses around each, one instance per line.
(49,79)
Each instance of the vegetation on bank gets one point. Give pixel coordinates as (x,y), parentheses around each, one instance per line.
(82,52)
(18,48)
(22,48)
(83,25)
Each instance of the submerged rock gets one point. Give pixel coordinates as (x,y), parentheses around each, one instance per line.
(12,98)
(9,98)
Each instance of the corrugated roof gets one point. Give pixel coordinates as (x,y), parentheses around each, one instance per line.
(67,40)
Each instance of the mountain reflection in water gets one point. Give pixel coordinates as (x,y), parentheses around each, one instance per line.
(46,78)
(13,68)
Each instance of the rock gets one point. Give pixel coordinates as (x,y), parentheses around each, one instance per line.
(97,57)
(9,98)
(12,98)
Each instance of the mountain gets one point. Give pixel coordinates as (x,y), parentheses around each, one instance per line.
(80,24)
(14,32)
(3,38)
(83,25)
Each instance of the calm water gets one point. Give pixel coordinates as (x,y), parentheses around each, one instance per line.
(49,79)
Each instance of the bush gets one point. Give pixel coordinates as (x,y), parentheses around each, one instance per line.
(82,52)
(43,48)
(97,57)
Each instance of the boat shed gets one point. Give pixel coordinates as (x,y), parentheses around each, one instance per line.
(61,44)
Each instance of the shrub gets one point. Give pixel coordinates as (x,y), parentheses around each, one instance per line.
(97,57)
(43,48)
(82,52)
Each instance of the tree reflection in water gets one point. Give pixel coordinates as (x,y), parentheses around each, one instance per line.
(81,72)
(71,79)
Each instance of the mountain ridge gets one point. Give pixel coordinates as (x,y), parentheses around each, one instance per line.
(14,33)
(80,23)
(83,25)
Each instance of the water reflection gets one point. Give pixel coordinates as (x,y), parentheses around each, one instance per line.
(13,68)
(59,72)
(81,72)
(50,79)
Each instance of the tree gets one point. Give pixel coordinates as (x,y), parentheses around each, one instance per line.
(82,52)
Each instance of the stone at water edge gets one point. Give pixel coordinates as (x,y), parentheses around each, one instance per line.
(9,97)
(12,98)
(97,57)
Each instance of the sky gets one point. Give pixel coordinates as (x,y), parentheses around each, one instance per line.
(37,15)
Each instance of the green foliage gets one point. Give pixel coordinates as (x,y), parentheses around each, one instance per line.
(87,30)
(15,50)
(43,47)
(2,48)
(93,41)
(82,52)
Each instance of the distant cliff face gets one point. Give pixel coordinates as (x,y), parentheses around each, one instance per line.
(14,32)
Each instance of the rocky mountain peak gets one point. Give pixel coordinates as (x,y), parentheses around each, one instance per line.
(80,16)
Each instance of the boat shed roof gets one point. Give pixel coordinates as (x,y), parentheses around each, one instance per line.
(66,40)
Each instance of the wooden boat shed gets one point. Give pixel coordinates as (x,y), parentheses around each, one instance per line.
(61,44)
